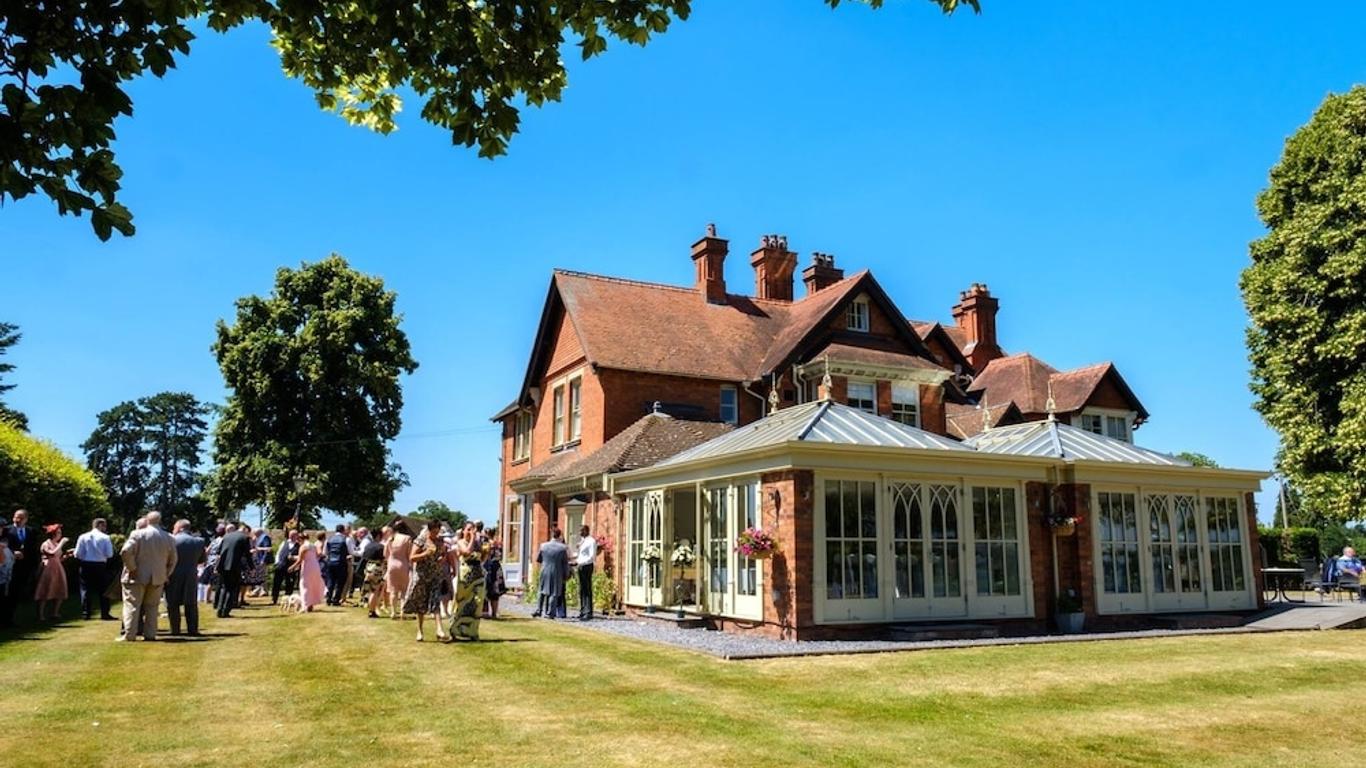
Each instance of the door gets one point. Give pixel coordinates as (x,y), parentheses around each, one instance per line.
(644,532)
(718,562)
(514,546)
(927,548)
(1174,553)
(749,573)
(850,578)
(1119,577)
(1230,585)
(998,553)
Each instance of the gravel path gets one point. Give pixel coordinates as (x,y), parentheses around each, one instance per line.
(738,647)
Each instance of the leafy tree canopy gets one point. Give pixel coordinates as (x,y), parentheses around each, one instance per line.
(1305,292)
(64,64)
(1197,459)
(36,476)
(313,370)
(438,510)
(9,336)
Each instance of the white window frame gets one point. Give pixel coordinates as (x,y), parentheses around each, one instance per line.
(1104,417)
(733,417)
(906,395)
(858,316)
(521,436)
(566,404)
(849,395)
(557,401)
(575,408)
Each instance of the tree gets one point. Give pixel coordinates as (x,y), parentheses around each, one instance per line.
(174,428)
(116,454)
(63,66)
(1197,459)
(313,371)
(1305,293)
(36,476)
(438,510)
(9,336)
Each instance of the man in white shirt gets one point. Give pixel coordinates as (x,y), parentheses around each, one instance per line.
(94,550)
(588,552)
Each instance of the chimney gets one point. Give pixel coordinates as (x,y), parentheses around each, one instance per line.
(709,254)
(821,274)
(773,267)
(975,313)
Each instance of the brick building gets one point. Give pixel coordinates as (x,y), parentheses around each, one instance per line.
(659,414)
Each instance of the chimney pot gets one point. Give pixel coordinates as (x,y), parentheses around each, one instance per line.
(709,256)
(773,267)
(821,274)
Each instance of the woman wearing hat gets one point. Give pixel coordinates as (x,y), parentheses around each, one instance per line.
(51,591)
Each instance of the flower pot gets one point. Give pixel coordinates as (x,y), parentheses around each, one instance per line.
(1066,529)
(1071,623)
(761,555)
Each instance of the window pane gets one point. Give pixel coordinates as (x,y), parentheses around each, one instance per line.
(832,509)
(849,494)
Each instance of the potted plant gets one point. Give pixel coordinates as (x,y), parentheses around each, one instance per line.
(682,557)
(756,543)
(1062,523)
(1070,617)
(651,557)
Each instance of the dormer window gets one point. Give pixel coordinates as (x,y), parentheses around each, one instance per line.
(858,316)
(1116,425)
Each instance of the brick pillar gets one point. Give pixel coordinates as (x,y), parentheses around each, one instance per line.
(786,503)
(884,398)
(1082,576)
(932,416)
(1041,550)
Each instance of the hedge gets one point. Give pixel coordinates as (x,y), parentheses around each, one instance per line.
(1290,545)
(36,476)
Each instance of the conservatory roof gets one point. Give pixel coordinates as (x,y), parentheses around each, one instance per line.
(1053,439)
(817,422)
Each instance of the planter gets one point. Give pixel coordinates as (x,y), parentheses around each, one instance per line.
(1065,530)
(1071,623)
(761,555)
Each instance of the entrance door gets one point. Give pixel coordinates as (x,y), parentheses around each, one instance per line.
(926,551)
(1230,585)
(720,555)
(1120,574)
(997,523)
(1174,553)
(644,531)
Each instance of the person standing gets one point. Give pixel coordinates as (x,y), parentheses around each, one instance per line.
(494,585)
(373,567)
(469,585)
(234,558)
(286,577)
(6,569)
(149,556)
(337,559)
(255,576)
(398,552)
(94,550)
(24,543)
(52,588)
(588,552)
(182,586)
(428,558)
(554,559)
(311,588)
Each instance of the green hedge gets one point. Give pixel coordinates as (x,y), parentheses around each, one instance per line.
(1287,546)
(36,476)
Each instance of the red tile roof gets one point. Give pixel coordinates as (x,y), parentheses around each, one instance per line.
(1025,380)
(965,420)
(650,440)
(879,357)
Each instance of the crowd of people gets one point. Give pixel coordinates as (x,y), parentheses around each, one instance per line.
(454,577)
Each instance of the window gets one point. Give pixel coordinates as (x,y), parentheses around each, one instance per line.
(1225,544)
(557,403)
(1118,523)
(1091,422)
(521,436)
(512,540)
(575,408)
(747,516)
(906,405)
(730,406)
(863,395)
(858,316)
(997,541)
(1117,427)
(1114,426)
(851,551)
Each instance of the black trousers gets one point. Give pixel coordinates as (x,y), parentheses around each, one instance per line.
(230,583)
(285,581)
(337,585)
(94,581)
(586,591)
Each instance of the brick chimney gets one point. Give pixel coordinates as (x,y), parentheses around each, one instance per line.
(975,313)
(773,267)
(821,274)
(709,254)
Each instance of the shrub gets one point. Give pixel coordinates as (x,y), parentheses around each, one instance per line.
(531,588)
(1288,546)
(36,476)
(604,592)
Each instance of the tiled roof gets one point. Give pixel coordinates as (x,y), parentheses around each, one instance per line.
(821,421)
(1053,439)
(965,420)
(551,466)
(1024,380)
(650,440)
(638,326)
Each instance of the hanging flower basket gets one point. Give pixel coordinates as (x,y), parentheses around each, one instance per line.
(652,554)
(756,544)
(1062,524)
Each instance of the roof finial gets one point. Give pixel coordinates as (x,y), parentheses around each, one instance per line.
(986,415)
(1051,405)
(827,383)
(773,401)
(657,408)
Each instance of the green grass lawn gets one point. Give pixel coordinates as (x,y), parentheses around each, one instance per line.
(337,689)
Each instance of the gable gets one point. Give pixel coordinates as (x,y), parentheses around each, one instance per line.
(565,347)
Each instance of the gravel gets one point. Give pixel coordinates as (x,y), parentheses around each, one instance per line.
(732,646)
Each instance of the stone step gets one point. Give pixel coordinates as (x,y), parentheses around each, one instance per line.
(1199,620)
(670,616)
(925,632)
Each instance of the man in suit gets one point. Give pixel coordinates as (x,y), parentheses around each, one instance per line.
(337,563)
(554,559)
(285,580)
(149,556)
(233,560)
(182,587)
(24,542)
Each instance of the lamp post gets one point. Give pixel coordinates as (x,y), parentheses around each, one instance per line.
(300,483)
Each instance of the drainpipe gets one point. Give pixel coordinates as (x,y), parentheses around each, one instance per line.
(763,402)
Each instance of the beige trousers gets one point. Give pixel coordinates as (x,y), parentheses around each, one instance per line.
(141,603)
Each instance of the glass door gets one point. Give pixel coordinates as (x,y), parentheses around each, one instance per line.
(927,549)
(718,566)
(1174,553)
(749,601)
(1120,573)
(849,581)
(644,530)
(1230,584)
(998,588)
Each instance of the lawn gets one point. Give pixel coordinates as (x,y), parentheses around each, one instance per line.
(337,689)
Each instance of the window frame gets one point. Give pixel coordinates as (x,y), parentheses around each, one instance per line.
(849,384)
(566,405)
(521,436)
(914,404)
(1104,417)
(734,393)
(859,316)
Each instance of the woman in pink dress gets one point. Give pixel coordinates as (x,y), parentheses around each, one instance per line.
(51,591)
(311,589)
(398,552)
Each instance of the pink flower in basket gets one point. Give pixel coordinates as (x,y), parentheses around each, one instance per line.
(756,543)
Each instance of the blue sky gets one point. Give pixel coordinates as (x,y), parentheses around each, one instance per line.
(1094,163)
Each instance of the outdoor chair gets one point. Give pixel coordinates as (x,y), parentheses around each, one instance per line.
(1313,577)
(1349,584)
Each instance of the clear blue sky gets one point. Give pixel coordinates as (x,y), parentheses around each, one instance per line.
(1094,163)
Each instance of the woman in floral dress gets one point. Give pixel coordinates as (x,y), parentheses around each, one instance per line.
(424,596)
(469,585)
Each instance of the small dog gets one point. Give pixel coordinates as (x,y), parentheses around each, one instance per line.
(291,604)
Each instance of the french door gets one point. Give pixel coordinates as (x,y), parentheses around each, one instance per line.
(644,530)
(1174,552)
(926,551)
(732,581)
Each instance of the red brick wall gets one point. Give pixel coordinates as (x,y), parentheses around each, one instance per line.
(1040,549)
(629,395)
(1255,548)
(787,575)
(932,414)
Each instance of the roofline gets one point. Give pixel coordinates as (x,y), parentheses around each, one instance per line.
(937,329)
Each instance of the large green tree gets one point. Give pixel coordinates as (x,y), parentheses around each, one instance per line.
(64,65)
(313,371)
(1305,292)
(116,453)
(9,336)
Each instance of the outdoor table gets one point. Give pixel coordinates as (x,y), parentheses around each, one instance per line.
(1276,578)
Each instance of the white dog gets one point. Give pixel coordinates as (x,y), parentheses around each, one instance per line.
(292,604)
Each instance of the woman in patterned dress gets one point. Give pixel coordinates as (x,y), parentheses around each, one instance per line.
(469,585)
(424,597)
(52,591)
